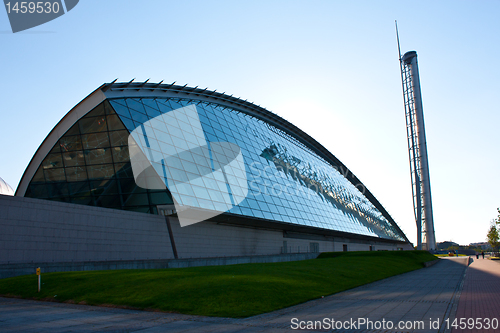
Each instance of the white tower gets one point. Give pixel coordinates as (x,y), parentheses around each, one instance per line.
(417,147)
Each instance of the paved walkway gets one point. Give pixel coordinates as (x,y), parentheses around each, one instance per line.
(480,297)
(424,297)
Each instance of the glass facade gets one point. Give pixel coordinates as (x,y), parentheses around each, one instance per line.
(286,181)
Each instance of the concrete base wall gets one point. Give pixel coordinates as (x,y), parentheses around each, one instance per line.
(11,270)
(34,230)
(42,231)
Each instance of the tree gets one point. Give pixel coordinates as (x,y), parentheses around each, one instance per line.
(493,236)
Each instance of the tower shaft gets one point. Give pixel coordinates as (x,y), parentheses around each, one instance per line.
(417,148)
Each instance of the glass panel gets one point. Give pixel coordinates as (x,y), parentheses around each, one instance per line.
(146,209)
(121,109)
(54,175)
(164,106)
(70,143)
(100,171)
(57,190)
(98,156)
(93,125)
(108,108)
(76,174)
(52,161)
(104,187)
(114,123)
(136,199)
(82,200)
(96,140)
(129,124)
(38,191)
(150,103)
(38,177)
(135,105)
(138,117)
(152,113)
(74,130)
(129,186)
(56,149)
(124,170)
(109,201)
(96,112)
(74,158)
(79,189)
(120,154)
(119,138)
(160,198)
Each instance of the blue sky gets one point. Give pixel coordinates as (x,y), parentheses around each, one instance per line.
(329,67)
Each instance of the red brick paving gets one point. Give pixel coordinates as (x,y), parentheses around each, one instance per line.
(480,296)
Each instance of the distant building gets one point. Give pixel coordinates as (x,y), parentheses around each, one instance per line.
(482,245)
(5,188)
(446,244)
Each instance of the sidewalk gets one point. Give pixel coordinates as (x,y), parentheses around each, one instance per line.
(423,296)
(480,297)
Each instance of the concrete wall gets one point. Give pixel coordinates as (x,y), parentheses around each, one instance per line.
(11,270)
(48,231)
(42,231)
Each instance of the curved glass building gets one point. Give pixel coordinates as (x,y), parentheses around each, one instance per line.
(158,148)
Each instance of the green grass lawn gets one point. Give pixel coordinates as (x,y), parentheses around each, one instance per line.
(447,255)
(226,291)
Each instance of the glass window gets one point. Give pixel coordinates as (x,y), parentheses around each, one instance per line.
(74,130)
(136,199)
(135,105)
(120,109)
(152,113)
(79,189)
(70,143)
(98,111)
(206,204)
(104,187)
(56,149)
(52,161)
(160,198)
(190,201)
(118,138)
(150,102)
(96,140)
(175,104)
(38,177)
(98,156)
(93,125)
(57,190)
(138,117)
(124,170)
(129,186)
(114,123)
(82,200)
(129,124)
(201,192)
(164,106)
(100,171)
(54,175)
(74,158)
(37,191)
(109,201)
(120,154)
(75,174)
